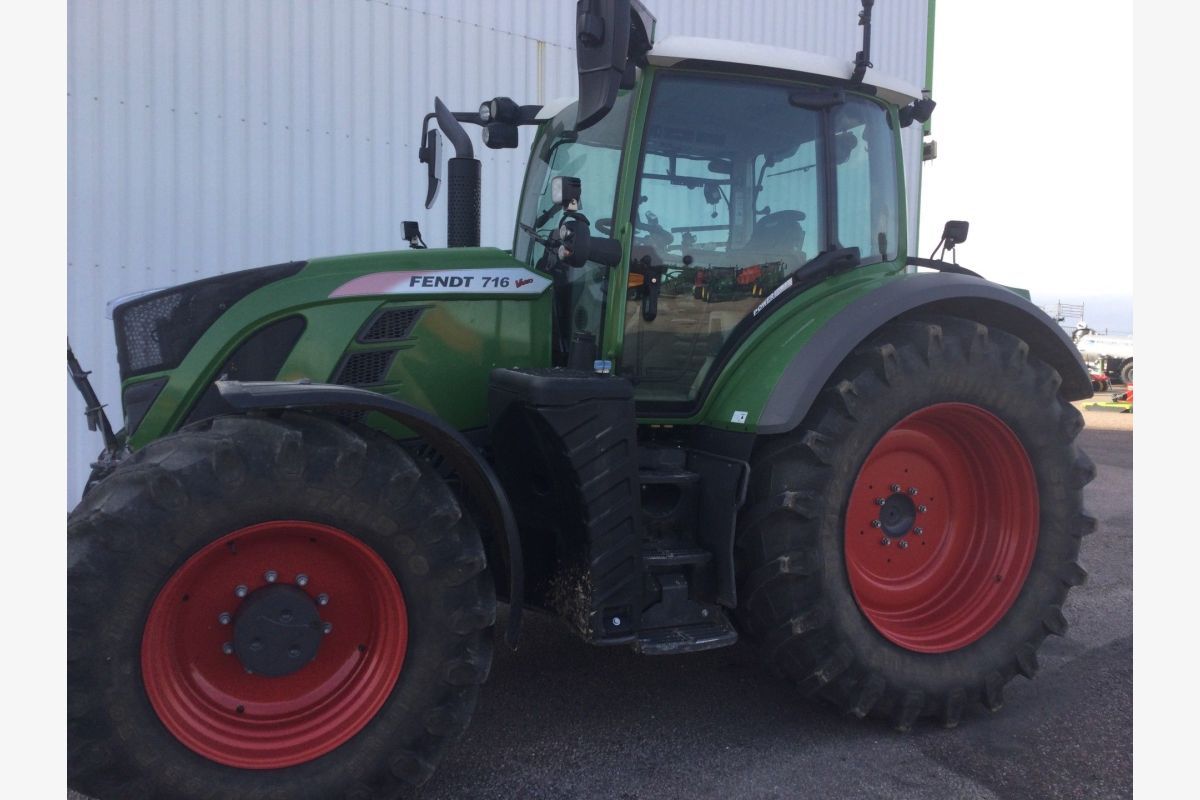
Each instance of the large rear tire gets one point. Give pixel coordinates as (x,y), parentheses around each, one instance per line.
(188,563)
(908,548)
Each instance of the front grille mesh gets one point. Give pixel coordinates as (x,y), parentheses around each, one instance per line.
(391,325)
(365,369)
(144,326)
(156,331)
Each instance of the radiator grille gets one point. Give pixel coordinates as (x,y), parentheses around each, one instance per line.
(365,369)
(393,324)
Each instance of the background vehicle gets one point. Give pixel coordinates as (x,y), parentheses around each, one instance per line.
(1112,355)
(284,572)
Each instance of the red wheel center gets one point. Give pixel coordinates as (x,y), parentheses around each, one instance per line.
(274,644)
(941,527)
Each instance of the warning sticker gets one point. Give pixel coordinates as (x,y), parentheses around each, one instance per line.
(502,280)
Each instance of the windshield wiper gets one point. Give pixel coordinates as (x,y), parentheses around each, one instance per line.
(827,264)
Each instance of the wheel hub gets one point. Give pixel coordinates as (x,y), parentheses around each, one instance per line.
(277,631)
(897,515)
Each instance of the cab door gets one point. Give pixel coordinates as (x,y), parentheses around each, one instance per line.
(740,183)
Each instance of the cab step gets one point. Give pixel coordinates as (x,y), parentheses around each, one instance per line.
(687,638)
(667,557)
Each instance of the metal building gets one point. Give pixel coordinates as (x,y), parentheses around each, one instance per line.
(209,137)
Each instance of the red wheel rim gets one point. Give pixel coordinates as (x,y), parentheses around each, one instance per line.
(206,698)
(941,527)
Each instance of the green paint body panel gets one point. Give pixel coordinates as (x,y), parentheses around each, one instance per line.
(748,378)
(442,367)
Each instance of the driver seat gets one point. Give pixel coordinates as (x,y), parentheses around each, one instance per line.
(779,239)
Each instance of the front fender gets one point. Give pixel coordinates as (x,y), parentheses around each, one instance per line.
(958,295)
(480,481)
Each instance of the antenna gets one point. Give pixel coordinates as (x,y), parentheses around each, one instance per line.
(862,59)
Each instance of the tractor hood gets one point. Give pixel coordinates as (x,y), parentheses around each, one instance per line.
(422,326)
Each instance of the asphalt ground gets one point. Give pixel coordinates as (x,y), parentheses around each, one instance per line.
(560,719)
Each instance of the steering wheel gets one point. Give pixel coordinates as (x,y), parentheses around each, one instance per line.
(782,218)
(651,228)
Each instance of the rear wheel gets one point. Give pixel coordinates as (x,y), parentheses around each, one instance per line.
(266,607)
(909,547)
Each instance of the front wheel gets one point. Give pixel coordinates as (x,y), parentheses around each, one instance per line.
(270,607)
(910,546)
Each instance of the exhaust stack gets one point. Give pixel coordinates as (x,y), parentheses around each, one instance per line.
(463,182)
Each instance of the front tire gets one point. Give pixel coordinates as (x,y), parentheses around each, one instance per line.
(189,558)
(907,549)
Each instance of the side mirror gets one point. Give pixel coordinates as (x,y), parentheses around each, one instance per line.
(955,232)
(431,156)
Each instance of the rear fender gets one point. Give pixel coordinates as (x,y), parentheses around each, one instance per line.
(911,296)
(477,476)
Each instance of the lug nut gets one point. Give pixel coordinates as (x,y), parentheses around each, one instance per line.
(922,509)
(616,622)
(876,523)
(912,490)
(241,590)
(270,576)
(918,531)
(224,618)
(902,544)
(301,579)
(879,501)
(294,652)
(885,541)
(285,617)
(327,628)
(256,645)
(322,599)
(227,648)
(895,487)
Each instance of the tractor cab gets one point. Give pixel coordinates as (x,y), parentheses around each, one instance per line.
(730,183)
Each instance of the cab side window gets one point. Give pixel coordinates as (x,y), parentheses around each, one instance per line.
(866,180)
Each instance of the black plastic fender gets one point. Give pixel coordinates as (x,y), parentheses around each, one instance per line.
(943,293)
(478,477)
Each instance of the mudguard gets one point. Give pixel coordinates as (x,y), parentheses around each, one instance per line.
(953,294)
(477,476)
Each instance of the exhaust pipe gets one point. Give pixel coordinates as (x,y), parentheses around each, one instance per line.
(463,181)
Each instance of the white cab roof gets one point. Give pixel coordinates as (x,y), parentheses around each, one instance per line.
(674,49)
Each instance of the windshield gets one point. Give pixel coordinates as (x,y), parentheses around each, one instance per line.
(730,205)
(593,156)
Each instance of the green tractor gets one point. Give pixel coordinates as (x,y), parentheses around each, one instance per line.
(284,571)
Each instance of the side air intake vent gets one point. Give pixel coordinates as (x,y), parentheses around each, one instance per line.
(391,325)
(365,369)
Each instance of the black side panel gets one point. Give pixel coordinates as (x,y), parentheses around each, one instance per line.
(156,331)
(958,295)
(258,358)
(725,481)
(565,447)
(137,399)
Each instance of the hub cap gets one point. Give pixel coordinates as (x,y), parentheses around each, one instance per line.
(251,667)
(941,527)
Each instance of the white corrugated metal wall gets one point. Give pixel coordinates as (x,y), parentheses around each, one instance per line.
(211,136)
